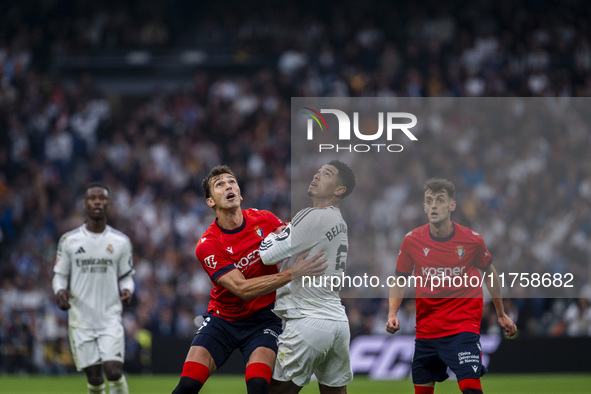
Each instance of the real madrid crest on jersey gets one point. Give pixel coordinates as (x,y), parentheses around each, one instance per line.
(110,248)
(461,251)
(259,231)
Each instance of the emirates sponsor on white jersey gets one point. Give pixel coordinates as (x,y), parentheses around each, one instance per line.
(94,264)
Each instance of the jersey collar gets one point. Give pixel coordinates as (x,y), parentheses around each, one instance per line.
(236,230)
(450,236)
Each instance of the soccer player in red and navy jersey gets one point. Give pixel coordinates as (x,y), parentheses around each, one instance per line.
(239,314)
(448,311)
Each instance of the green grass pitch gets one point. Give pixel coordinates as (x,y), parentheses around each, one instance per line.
(224,384)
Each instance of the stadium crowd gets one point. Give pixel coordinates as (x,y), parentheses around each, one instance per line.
(56,135)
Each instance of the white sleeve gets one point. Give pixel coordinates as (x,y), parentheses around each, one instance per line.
(297,237)
(59,282)
(126,261)
(276,247)
(62,258)
(127,283)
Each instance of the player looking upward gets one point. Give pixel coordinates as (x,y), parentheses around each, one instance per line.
(448,320)
(239,315)
(316,335)
(92,277)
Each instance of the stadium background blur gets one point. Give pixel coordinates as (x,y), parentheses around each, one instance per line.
(149,96)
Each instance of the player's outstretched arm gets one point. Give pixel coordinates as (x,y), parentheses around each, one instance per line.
(494,287)
(396,295)
(248,289)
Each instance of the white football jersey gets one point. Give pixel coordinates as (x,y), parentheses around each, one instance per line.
(94,264)
(320,230)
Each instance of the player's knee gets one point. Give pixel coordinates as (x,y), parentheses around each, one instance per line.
(114,375)
(280,387)
(95,380)
(113,372)
(332,390)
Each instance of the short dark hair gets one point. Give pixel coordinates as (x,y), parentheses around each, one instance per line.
(215,171)
(345,175)
(436,185)
(96,184)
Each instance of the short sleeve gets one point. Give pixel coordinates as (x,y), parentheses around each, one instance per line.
(126,260)
(213,260)
(62,258)
(484,258)
(273,220)
(404,264)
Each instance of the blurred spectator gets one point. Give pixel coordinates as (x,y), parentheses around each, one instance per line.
(529,192)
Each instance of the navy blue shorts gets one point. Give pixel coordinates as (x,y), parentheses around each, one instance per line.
(460,352)
(221,337)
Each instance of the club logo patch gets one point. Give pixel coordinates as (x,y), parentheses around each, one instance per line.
(461,251)
(259,231)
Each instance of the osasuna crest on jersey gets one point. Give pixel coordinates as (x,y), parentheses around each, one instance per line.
(461,251)
(259,231)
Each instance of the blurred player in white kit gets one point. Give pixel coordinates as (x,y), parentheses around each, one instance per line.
(316,336)
(92,278)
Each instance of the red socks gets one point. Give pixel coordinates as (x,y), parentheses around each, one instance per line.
(466,384)
(258,370)
(424,390)
(195,371)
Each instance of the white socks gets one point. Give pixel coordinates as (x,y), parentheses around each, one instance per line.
(118,386)
(96,389)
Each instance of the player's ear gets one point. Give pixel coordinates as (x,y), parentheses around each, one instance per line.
(340,190)
(210,202)
(452,206)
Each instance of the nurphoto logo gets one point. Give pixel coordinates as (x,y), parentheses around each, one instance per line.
(389,123)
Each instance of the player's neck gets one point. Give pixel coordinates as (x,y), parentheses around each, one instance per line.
(96,226)
(230,219)
(326,202)
(441,230)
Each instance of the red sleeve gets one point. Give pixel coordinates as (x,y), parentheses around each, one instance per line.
(274,220)
(213,261)
(404,264)
(484,259)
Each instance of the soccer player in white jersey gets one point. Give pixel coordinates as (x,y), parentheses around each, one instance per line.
(92,278)
(316,336)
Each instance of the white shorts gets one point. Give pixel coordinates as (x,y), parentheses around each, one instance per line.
(95,346)
(314,346)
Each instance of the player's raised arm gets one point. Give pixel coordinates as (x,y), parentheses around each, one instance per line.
(494,287)
(301,234)
(276,247)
